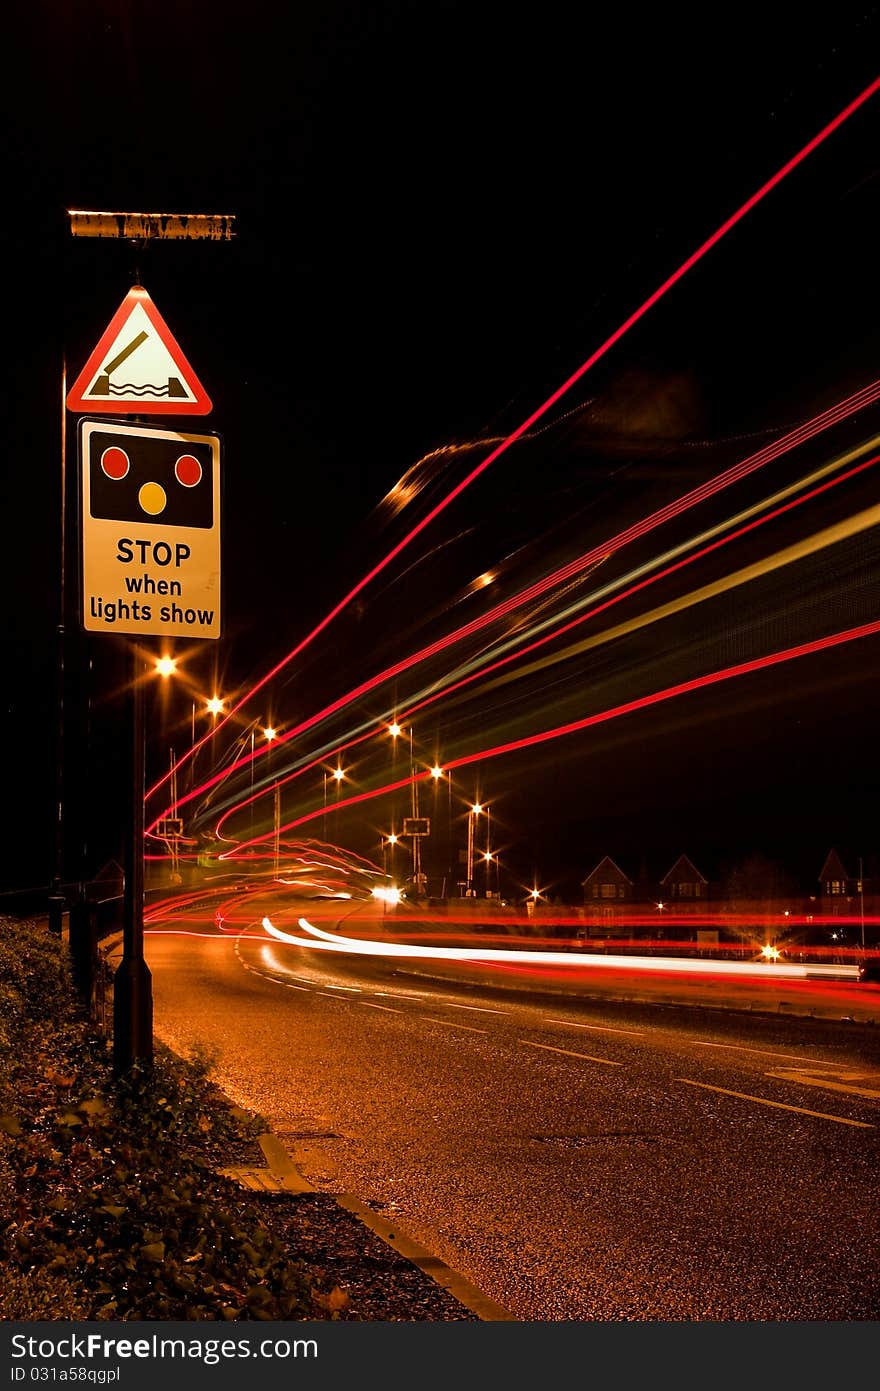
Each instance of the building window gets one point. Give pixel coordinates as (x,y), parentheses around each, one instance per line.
(608,890)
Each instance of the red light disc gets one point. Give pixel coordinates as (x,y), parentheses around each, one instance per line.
(188,470)
(115,462)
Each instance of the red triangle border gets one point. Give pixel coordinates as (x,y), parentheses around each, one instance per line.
(113,405)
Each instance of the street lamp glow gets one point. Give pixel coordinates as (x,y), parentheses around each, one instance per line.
(392,839)
(390,895)
(487,855)
(394,730)
(436,771)
(476,808)
(270,733)
(338,774)
(534,894)
(166,666)
(214,706)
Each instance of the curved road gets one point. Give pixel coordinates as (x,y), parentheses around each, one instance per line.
(574,1159)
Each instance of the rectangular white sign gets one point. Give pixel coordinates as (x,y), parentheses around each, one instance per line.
(150,530)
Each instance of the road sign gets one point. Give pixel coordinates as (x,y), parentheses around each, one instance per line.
(150,501)
(152,226)
(416,826)
(138,368)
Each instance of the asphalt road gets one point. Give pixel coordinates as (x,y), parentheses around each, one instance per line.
(574,1159)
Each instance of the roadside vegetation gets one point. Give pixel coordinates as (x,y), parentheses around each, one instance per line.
(110,1206)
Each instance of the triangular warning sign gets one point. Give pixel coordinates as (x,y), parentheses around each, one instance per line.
(138,367)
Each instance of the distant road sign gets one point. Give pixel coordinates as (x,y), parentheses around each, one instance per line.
(416,826)
(153,226)
(150,530)
(138,367)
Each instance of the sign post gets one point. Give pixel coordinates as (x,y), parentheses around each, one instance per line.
(416,827)
(149,536)
(133,982)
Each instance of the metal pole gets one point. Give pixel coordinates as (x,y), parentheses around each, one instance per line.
(132,983)
(862,901)
(252,733)
(417,841)
(192,752)
(488,848)
(56,900)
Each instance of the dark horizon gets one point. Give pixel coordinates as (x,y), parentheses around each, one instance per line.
(434,228)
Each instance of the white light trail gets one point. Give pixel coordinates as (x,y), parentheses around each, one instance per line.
(318,939)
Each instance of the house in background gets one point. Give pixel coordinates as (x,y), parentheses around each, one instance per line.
(609,894)
(683,886)
(607,883)
(834,882)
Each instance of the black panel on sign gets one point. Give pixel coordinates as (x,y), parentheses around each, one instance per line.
(137,478)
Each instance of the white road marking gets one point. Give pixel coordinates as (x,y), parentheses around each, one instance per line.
(454,1024)
(369,1005)
(480,1009)
(763,1052)
(588,1057)
(600,1028)
(780,1105)
(794,1074)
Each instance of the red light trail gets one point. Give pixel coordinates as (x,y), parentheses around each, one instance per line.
(840,411)
(601,717)
(639,313)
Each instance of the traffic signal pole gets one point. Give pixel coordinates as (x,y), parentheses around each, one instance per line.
(184,395)
(132,983)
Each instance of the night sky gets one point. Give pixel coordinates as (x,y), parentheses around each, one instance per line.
(441,211)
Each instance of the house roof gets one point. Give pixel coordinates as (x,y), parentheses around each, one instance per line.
(605,864)
(684,869)
(832,868)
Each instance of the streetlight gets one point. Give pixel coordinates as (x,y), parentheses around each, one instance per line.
(270,733)
(253,729)
(388,856)
(862,902)
(436,774)
(488,851)
(488,858)
(338,774)
(475,810)
(166,666)
(214,706)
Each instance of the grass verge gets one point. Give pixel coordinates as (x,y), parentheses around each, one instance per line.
(110,1206)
